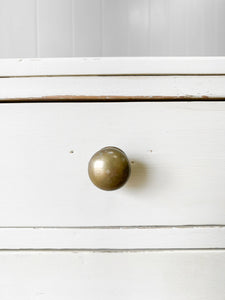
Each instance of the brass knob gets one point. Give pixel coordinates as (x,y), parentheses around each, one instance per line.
(109,168)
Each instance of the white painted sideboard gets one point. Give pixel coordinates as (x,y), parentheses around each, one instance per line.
(162,235)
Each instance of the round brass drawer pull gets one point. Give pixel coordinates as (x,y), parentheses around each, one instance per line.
(109,168)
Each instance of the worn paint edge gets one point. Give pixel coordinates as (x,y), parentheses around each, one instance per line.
(86,98)
(116,75)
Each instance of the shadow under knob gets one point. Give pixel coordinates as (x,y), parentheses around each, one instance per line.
(109,168)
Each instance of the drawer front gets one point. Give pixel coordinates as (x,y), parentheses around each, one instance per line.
(146,275)
(176,151)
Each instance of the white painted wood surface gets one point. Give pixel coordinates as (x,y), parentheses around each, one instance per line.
(147,275)
(65,28)
(203,237)
(113,87)
(178,169)
(113,66)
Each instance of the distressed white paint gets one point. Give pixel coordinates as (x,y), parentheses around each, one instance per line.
(129,275)
(113,86)
(50,28)
(112,66)
(177,177)
(113,238)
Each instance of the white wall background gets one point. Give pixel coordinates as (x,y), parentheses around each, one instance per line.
(62,28)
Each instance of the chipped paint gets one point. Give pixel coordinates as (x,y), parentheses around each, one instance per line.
(84,98)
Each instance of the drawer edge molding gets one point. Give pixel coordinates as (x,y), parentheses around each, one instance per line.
(112,66)
(113,238)
(112,88)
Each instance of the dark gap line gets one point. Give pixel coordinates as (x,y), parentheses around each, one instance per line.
(105,250)
(161,99)
(113,75)
(117,227)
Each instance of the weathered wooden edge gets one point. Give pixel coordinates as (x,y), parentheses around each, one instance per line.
(111,66)
(112,88)
(86,98)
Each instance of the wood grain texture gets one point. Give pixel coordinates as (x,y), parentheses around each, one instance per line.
(177,152)
(203,237)
(131,275)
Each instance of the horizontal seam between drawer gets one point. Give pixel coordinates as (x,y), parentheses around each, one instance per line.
(116,75)
(116,227)
(110,99)
(106,250)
